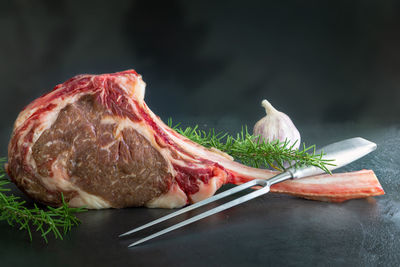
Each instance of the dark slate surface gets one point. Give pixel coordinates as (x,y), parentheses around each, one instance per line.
(321,62)
(271,230)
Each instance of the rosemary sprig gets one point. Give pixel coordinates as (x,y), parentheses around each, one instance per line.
(57,221)
(247,149)
(244,147)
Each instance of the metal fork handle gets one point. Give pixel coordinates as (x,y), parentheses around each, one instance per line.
(343,152)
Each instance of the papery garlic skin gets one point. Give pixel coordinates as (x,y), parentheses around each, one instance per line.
(277,125)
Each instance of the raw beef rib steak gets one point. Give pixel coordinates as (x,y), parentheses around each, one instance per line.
(94,139)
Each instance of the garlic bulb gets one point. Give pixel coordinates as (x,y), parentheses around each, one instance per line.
(276,125)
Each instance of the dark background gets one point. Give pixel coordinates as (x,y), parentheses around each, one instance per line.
(333,67)
(331,62)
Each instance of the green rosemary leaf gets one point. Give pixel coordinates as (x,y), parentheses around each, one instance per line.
(253,150)
(45,221)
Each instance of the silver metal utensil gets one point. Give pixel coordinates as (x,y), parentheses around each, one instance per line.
(341,154)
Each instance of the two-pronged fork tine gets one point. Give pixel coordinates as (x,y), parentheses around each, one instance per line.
(195,206)
(341,153)
(265,184)
(225,206)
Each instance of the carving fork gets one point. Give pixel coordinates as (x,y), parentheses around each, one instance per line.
(340,154)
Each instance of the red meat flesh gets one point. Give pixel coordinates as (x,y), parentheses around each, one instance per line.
(94,139)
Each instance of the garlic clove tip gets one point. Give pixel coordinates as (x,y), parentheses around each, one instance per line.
(268,107)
